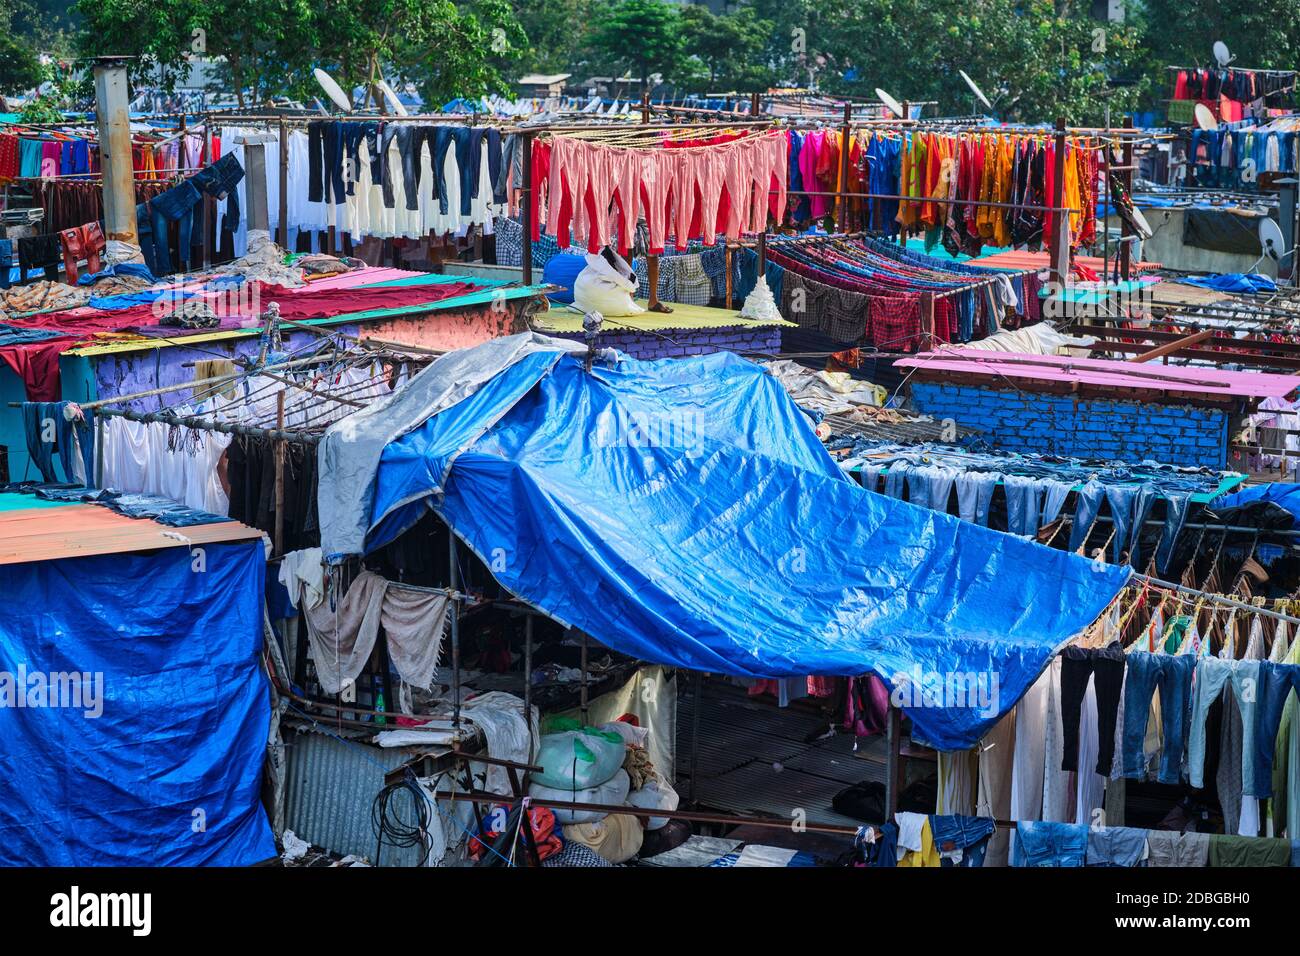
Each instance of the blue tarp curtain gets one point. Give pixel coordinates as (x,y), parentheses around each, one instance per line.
(683,512)
(170,773)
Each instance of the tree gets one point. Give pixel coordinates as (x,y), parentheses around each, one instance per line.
(159,34)
(728,49)
(20,67)
(643,36)
(556,32)
(475,50)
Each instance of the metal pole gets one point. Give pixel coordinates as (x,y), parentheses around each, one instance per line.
(893,760)
(583,691)
(697,705)
(114,125)
(528,685)
(453,575)
(99,451)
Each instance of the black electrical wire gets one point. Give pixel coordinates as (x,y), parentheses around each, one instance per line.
(393,827)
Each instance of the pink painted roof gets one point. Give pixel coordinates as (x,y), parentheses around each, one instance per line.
(1107,372)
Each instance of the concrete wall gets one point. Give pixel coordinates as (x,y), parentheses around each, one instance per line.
(1083,428)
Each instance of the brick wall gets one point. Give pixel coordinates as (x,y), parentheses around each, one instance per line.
(1083,428)
(678,343)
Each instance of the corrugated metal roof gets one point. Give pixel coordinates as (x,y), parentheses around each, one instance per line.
(81,530)
(755,758)
(330,785)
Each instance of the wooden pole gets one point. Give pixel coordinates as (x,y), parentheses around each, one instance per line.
(1125,230)
(453,576)
(727,266)
(284,186)
(1059,239)
(762,253)
(526,206)
(279,475)
(841,200)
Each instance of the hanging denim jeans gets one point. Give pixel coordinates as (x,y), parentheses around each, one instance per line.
(1054,495)
(1276,683)
(974,493)
(1172,674)
(894,479)
(1023,504)
(1085,512)
(6,262)
(1211,676)
(1175,517)
(1043,843)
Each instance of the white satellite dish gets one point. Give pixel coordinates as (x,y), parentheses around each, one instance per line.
(1204,118)
(979,94)
(333,90)
(893,104)
(1144,230)
(1221,54)
(394,103)
(1272,244)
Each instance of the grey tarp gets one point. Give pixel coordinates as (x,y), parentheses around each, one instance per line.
(348,455)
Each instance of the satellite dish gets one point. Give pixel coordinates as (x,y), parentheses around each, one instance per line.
(1221,54)
(1272,244)
(1204,118)
(979,94)
(893,104)
(1141,225)
(333,90)
(393,102)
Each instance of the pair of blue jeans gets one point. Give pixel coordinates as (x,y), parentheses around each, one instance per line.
(1045,843)
(67,436)
(1276,683)
(6,262)
(1172,674)
(959,832)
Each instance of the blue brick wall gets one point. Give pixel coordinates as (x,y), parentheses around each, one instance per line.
(679,343)
(1083,428)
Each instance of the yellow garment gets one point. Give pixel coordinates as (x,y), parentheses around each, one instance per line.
(928,855)
(1002,192)
(214,368)
(616,838)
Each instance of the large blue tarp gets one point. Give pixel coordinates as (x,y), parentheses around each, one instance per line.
(169,771)
(683,512)
(1285,495)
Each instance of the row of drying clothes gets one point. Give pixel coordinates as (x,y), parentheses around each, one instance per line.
(871,290)
(1242,86)
(690,189)
(937,169)
(680,267)
(50,155)
(1036,490)
(235,475)
(406,179)
(1234,154)
(1101,712)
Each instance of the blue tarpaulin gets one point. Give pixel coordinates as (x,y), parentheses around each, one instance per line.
(169,771)
(1282,494)
(683,512)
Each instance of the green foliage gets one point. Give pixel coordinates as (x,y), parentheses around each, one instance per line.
(726,53)
(640,36)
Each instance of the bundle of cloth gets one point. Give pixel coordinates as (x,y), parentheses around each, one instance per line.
(608,765)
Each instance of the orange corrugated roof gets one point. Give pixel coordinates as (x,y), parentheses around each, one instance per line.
(47,534)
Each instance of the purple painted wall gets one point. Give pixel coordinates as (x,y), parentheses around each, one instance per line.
(678,343)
